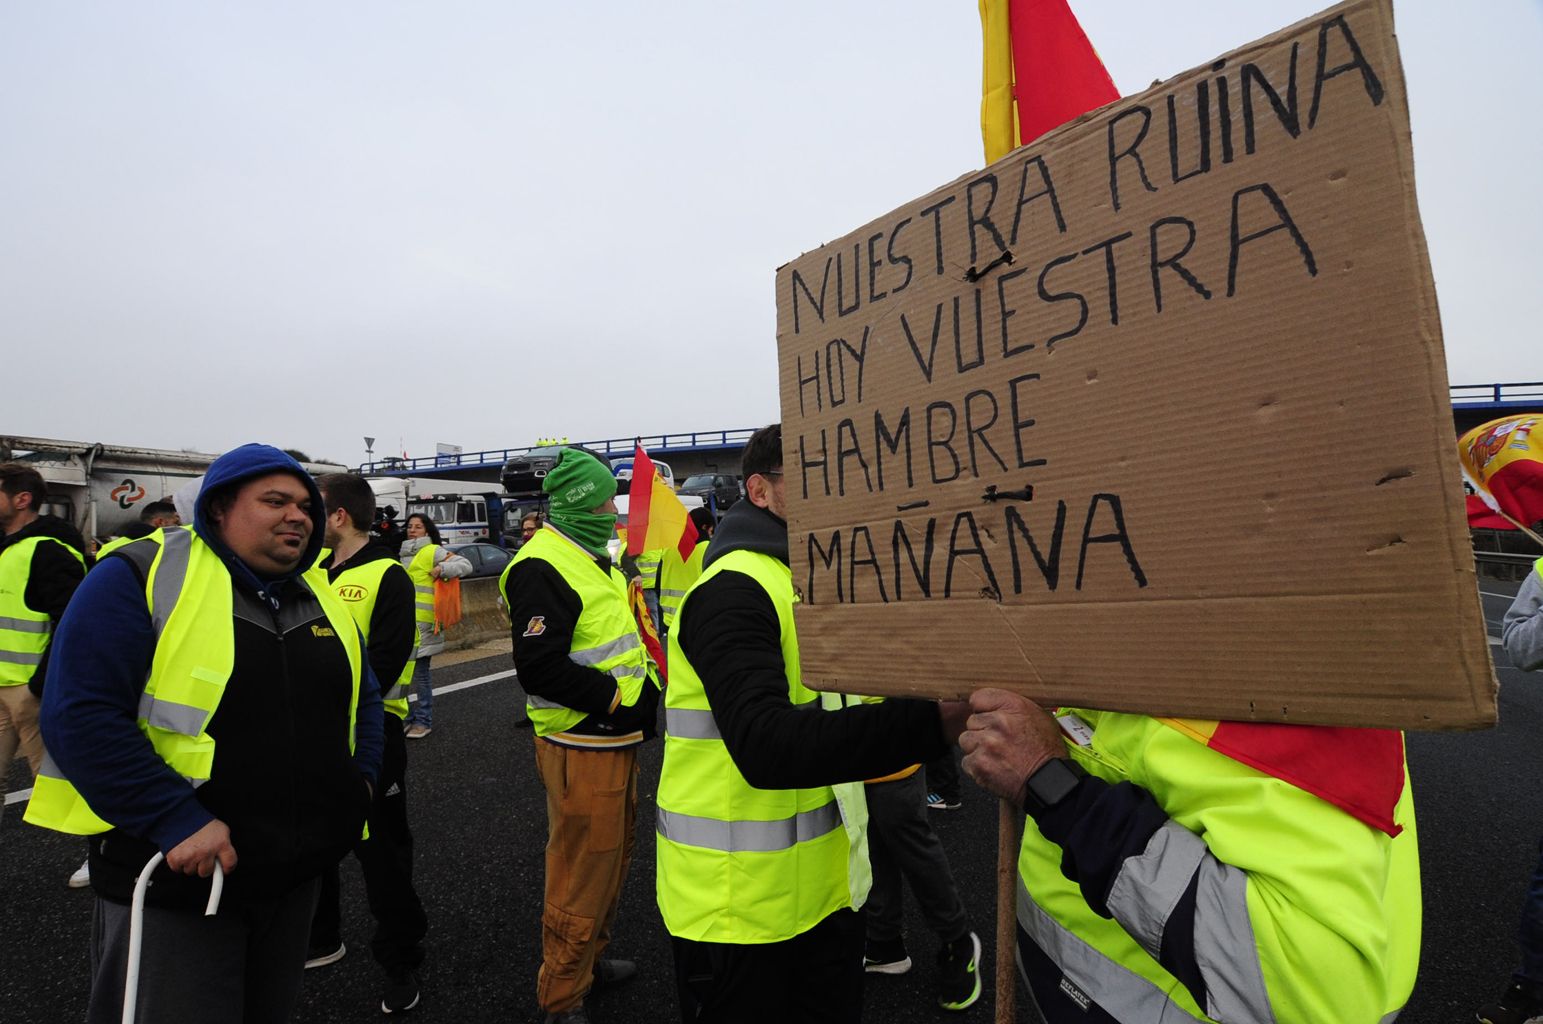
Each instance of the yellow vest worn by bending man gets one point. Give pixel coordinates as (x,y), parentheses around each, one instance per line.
(735,863)
(1303,913)
(188,595)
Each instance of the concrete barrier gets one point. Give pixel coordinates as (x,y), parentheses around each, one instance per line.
(482,616)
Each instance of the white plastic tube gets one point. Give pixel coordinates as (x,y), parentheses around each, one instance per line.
(137,926)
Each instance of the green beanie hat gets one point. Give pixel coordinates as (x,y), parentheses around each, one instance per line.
(579,482)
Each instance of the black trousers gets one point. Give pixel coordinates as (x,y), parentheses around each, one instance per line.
(387,859)
(943,776)
(813,978)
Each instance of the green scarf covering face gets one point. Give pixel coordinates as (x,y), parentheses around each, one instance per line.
(576,485)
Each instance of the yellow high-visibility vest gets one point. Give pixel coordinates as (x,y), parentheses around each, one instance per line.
(605,637)
(675,578)
(188,594)
(421,569)
(24,632)
(358,587)
(735,863)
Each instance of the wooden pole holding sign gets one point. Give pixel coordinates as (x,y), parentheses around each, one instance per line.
(1008,820)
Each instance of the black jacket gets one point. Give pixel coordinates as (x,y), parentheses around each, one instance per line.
(729,632)
(52,578)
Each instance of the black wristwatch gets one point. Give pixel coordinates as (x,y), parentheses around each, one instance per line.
(1051,783)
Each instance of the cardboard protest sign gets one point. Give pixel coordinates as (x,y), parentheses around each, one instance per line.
(1150,415)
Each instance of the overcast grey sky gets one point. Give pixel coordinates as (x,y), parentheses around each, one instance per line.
(461,221)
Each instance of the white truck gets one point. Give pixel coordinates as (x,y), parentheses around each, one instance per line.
(463,510)
(100,488)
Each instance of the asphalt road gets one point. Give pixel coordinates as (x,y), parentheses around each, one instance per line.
(479,815)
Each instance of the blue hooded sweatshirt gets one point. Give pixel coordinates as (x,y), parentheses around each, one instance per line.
(276,775)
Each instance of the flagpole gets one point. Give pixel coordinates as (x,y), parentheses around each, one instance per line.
(1522,528)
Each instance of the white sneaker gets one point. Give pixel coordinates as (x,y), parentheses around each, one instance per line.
(81,878)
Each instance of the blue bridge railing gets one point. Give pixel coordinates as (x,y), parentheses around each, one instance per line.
(1464,396)
(1501,395)
(615,447)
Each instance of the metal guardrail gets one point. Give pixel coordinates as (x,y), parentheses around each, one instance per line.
(615,447)
(1505,558)
(1516,393)
(1462,395)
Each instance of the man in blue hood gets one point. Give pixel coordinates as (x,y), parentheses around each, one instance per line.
(208,698)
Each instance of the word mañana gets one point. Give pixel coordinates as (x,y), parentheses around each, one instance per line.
(845,567)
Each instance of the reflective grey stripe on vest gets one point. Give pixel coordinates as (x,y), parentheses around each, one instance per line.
(1391,1016)
(1148,885)
(689,724)
(748,836)
(24,625)
(543,704)
(1122,993)
(595,655)
(20,659)
(50,769)
(398,692)
(628,672)
(418,600)
(176,551)
(173,717)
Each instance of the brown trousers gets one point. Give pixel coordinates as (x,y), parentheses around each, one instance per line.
(18,727)
(591,808)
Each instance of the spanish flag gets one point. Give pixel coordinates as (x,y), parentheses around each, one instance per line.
(1360,771)
(1039,71)
(1503,463)
(655,517)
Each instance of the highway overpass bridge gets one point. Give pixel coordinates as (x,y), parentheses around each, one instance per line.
(718,451)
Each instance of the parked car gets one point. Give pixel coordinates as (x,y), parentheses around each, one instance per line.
(522,475)
(486,559)
(622,468)
(720,489)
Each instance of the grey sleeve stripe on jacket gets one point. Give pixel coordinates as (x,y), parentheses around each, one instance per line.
(1145,892)
(1225,948)
(1522,631)
(1147,888)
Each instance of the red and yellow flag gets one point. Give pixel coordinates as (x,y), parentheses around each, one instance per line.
(1503,462)
(1360,771)
(655,517)
(645,620)
(1038,72)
